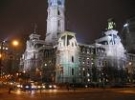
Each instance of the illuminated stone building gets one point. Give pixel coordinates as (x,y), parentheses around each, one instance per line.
(111,42)
(33,56)
(60,58)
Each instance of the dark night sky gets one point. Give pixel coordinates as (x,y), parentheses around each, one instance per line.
(87,18)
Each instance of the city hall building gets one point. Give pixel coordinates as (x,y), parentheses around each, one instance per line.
(61,58)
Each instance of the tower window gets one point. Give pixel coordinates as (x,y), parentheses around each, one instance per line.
(72,59)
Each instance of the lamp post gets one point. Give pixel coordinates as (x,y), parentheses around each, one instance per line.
(1,52)
(14,60)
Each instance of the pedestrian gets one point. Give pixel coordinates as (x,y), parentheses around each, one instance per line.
(73,87)
(10,89)
(68,86)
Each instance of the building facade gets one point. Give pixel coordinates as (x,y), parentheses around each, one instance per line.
(60,58)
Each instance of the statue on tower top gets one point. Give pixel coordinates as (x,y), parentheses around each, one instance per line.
(111,24)
(56,2)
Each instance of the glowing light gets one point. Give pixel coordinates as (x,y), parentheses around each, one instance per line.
(15,43)
(27,87)
(17,74)
(45,64)
(33,87)
(128,91)
(50,86)
(125,25)
(11,83)
(54,86)
(39,87)
(18,85)
(24,71)
(130,63)
(0,55)
(43,87)
(88,74)
(6,48)
(18,92)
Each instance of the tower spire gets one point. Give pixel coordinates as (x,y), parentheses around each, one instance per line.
(35,28)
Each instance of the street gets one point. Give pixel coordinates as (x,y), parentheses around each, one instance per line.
(79,94)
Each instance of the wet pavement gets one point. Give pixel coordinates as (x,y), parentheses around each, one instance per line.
(63,94)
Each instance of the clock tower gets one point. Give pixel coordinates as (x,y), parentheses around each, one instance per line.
(55,21)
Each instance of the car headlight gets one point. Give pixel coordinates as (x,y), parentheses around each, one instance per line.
(54,86)
(50,86)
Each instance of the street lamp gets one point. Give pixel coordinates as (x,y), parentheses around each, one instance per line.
(15,43)
(126,25)
(14,58)
(1,52)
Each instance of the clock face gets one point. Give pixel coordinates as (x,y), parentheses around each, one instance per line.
(59,3)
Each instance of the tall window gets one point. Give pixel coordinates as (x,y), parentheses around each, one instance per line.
(58,12)
(72,59)
(72,71)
